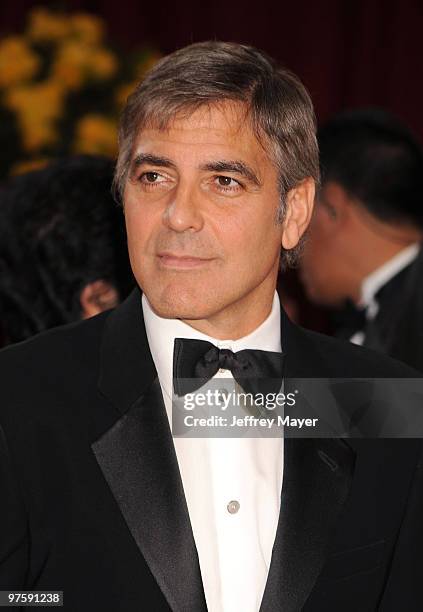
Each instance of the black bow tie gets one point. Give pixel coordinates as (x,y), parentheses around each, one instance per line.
(198,361)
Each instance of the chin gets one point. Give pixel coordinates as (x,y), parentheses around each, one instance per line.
(179,303)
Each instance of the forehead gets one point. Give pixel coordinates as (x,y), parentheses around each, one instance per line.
(208,131)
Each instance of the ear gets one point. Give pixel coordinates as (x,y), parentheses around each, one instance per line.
(96,297)
(298,211)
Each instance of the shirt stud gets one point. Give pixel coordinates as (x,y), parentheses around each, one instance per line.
(233,506)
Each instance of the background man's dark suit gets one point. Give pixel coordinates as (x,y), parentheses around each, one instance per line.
(92,501)
(398,326)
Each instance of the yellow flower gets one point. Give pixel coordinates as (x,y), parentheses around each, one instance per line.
(69,66)
(28,165)
(96,134)
(37,135)
(88,28)
(18,62)
(43,99)
(46,26)
(77,61)
(102,64)
(37,108)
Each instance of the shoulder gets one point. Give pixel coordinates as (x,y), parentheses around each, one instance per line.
(70,342)
(47,366)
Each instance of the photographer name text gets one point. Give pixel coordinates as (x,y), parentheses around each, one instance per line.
(249,421)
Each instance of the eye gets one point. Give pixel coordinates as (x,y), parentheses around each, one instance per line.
(227,183)
(151,177)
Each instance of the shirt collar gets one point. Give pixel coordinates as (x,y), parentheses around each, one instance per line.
(161,334)
(379,277)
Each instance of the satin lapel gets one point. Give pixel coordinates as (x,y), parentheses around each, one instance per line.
(316,482)
(138,460)
(137,457)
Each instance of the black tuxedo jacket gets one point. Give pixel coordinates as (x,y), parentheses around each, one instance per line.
(92,501)
(397,328)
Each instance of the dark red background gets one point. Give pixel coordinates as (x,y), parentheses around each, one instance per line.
(347,53)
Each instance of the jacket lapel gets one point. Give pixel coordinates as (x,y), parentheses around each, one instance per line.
(316,482)
(139,463)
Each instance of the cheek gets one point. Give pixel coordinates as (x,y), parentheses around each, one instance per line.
(140,221)
(253,242)
(313,263)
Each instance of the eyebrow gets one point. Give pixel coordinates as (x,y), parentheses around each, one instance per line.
(232,166)
(153,160)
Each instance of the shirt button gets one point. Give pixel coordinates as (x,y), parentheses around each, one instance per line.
(233,506)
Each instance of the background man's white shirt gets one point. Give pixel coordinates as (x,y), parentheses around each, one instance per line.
(377,279)
(234,547)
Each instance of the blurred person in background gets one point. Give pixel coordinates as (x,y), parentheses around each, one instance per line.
(63,254)
(363,256)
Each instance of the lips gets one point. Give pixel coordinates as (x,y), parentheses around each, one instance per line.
(172,260)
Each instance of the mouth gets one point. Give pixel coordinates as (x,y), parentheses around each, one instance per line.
(181,262)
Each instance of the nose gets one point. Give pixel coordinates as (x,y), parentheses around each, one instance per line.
(183,212)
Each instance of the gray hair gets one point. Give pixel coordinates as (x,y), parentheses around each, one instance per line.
(278,106)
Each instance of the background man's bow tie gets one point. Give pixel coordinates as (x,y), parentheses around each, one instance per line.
(200,360)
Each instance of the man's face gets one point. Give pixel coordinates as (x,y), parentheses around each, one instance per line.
(326,267)
(200,206)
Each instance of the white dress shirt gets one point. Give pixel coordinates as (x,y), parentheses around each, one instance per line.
(234,541)
(377,279)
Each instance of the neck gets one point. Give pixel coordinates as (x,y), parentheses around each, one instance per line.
(374,259)
(239,319)
(378,240)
